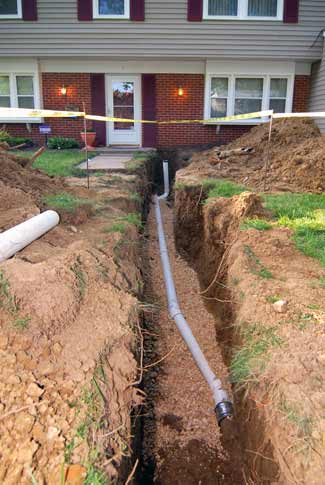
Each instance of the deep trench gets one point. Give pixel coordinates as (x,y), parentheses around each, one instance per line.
(194,464)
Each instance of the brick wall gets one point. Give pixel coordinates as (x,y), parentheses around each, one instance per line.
(168,106)
(78,91)
(301,94)
(189,106)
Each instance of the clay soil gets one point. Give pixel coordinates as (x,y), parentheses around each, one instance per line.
(181,435)
(295,157)
(69,338)
(279,392)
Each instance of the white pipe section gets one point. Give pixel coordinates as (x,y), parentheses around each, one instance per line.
(20,236)
(166,180)
(223,405)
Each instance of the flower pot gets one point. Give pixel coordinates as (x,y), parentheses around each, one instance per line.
(88,138)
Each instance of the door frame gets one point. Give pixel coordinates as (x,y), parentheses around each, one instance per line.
(137,139)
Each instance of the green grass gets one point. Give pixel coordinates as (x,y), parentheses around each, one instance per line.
(7,301)
(294,206)
(305,215)
(22,323)
(10,303)
(222,188)
(179,186)
(116,227)
(304,424)
(95,477)
(251,358)
(257,267)
(133,218)
(77,269)
(59,162)
(258,224)
(135,197)
(65,201)
(273,298)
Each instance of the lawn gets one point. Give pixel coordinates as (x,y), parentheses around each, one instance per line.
(59,162)
(305,215)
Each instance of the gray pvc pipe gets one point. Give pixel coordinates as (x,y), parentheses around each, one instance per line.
(166,180)
(222,402)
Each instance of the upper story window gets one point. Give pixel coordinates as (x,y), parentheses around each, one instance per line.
(111,9)
(17,91)
(243,9)
(10,9)
(236,95)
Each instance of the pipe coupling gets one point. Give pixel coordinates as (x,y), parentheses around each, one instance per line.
(224,409)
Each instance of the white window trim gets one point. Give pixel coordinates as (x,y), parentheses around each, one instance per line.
(231,95)
(14,96)
(18,15)
(97,15)
(242,13)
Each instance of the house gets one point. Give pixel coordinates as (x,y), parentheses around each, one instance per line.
(165,60)
(317,92)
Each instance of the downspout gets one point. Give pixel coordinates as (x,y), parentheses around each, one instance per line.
(223,406)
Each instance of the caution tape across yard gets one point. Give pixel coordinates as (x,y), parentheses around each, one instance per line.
(45,113)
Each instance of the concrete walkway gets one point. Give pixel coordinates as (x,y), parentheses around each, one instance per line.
(108,161)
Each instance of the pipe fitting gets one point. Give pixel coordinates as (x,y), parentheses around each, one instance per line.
(224,409)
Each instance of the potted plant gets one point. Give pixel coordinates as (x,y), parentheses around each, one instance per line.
(88,138)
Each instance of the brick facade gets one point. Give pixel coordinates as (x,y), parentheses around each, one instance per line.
(301,94)
(169,105)
(78,92)
(189,106)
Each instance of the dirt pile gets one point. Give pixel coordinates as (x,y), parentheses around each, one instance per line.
(30,181)
(296,158)
(69,325)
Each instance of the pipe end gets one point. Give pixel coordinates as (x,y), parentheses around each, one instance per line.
(224,409)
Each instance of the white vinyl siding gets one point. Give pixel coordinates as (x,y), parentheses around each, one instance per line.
(317,92)
(165,34)
(247,94)
(243,9)
(10,9)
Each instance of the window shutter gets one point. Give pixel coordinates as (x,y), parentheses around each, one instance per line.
(137,8)
(85,10)
(291,11)
(194,10)
(29,8)
(98,106)
(149,110)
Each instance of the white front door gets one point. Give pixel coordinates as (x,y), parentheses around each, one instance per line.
(124,101)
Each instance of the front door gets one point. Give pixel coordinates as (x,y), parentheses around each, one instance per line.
(124,101)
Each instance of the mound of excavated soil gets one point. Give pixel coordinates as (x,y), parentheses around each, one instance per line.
(30,181)
(21,190)
(296,158)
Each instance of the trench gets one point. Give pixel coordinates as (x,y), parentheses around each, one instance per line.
(180,440)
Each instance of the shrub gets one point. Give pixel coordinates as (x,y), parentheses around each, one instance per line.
(14,140)
(59,142)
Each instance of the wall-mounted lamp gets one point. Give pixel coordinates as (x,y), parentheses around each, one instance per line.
(64,90)
(180,91)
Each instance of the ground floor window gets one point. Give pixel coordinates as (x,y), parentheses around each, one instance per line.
(10,9)
(235,95)
(17,91)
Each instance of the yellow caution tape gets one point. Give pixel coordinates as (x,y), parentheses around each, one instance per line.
(315,114)
(38,113)
(246,116)
(45,113)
